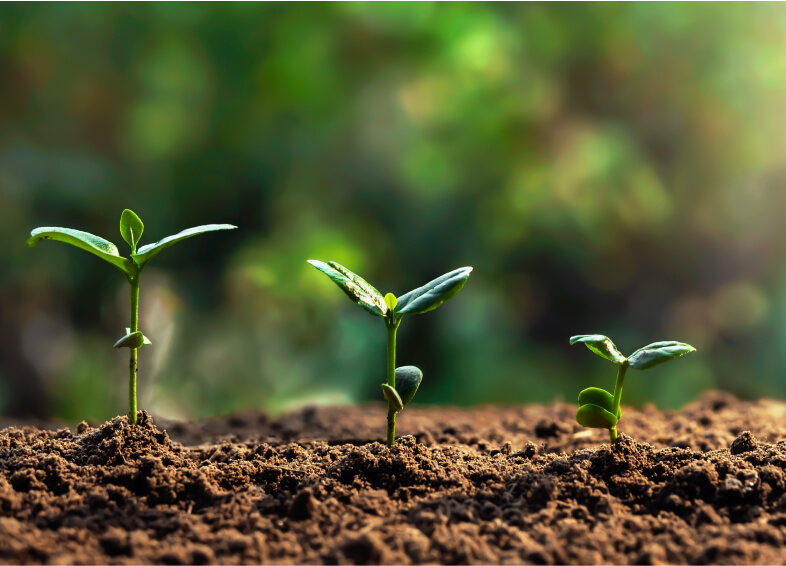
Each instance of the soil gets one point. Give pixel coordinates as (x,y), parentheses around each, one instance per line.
(489,485)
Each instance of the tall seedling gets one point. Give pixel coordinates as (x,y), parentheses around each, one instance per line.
(402,383)
(131,229)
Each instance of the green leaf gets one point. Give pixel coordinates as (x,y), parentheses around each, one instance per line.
(392,397)
(145,341)
(148,252)
(131,228)
(601,345)
(355,287)
(657,353)
(433,293)
(599,397)
(593,416)
(98,246)
(390,301)
(132,340)
(408,380)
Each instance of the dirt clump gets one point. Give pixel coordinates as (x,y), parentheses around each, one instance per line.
(488,485)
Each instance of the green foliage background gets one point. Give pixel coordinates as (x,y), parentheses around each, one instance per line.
(609,168)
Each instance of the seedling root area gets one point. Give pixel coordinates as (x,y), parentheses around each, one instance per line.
(489,485)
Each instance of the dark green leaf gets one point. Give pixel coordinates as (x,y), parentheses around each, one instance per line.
(593,416)
(102,248)
(392,397)
(132,340)
(408,380)
(433,293)
(657,353)
(355,287)
(148,252)
(601,345)
(131,228)
(599,397)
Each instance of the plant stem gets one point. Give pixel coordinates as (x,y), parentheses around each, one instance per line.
(391,325)
(621,370)
(132,363)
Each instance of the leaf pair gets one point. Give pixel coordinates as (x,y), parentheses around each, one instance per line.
(643,358)
(596,409)
(131,228)
(408,380)
(132,340)
(420,300)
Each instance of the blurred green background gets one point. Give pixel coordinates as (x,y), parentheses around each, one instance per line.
(606,168)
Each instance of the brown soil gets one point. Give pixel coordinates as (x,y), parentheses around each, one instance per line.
(489,485)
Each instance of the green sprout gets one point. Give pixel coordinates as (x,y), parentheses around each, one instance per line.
(131,228)
(597,407)
(402,383)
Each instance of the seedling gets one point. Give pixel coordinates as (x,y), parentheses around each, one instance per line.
(597,407)
(131,228)
(402,383)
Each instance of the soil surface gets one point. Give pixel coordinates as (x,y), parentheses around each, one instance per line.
(488,485)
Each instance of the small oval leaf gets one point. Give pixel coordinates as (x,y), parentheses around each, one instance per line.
(657,353)
(599,397)
(132,340)
(408,380)
(131,228)
(149,251)
(392,397)
(391,301)
(601,345)
(104,249)
(593,416)
(434,293)
(354,286)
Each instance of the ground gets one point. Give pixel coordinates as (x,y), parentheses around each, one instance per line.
(488,485)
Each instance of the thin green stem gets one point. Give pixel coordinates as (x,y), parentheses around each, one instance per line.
(621,370)
(391,326)
(132,364)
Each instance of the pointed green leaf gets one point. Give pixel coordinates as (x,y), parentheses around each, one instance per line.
(132,340)
(392,397)
(601,345)
(355,287)
(98,246)
(148,252)
(408,380)
(593,416)
(599,397)
(433,293)
(131,228)
(657,353)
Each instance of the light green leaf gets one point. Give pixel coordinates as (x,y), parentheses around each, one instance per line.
(601,345)
(132,340)
(98,246)
(593,416)
(392,397)
(391,301)
(148,252)
(131,228)
(355,287)
(599,397)
(145,341)
(408,380)
(433,293)
(657,353)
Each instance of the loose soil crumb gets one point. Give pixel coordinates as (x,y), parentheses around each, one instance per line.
(489,485)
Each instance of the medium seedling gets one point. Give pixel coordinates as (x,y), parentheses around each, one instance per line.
(597,407)
(131,228)
(402,383)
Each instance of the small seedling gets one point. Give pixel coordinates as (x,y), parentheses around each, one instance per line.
(402,383)
(597,407)
(131,228)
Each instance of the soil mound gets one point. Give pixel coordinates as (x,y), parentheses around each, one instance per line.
(516,485)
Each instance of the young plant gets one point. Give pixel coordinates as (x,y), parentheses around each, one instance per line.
(402,383)
(597,407)
(131,228)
